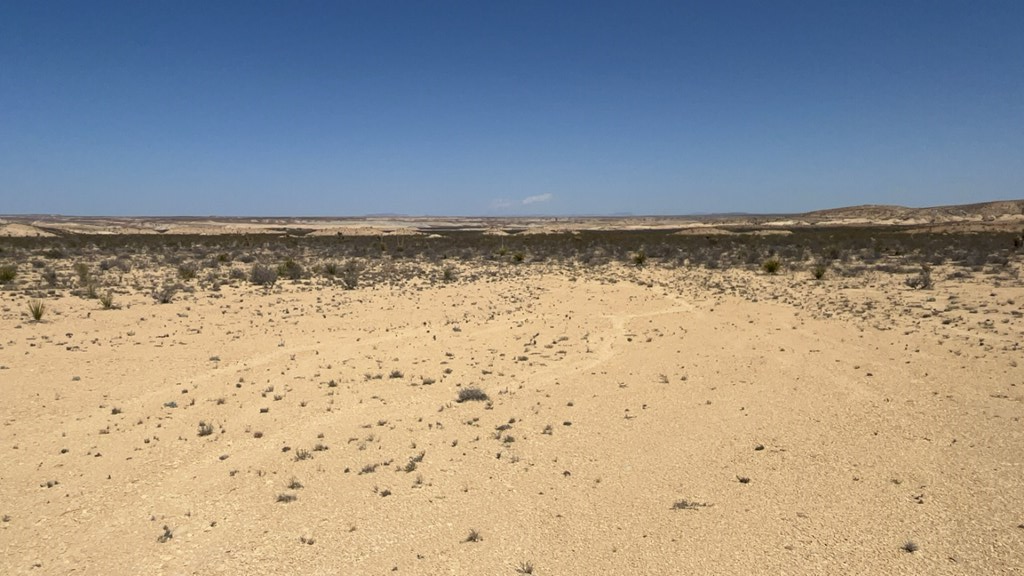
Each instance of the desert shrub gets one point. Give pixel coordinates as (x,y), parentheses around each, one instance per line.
(7,273)
(639,258)
(187,271)
(832,253)
(771,265)
(472,395)
(205,429)
(263,275)
(818,271)
(36,308)
(331,269)
(923,279)
(350,274)
(449,274)
(123,264)
(165,293)
(82,269)
(50,277)
(688,505)
(290,269)
(166,536)
(107,300)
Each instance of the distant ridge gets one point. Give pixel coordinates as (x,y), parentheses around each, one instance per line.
(892,212)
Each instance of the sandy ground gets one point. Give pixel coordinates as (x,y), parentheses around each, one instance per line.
(640,421)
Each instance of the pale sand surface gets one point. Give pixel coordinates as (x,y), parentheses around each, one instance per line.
(879,423)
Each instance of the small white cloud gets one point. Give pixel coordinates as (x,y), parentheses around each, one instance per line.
(537,198)
(501,203)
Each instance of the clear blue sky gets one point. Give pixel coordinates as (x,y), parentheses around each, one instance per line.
(514,107)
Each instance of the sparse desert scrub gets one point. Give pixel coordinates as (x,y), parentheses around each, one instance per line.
(771,265)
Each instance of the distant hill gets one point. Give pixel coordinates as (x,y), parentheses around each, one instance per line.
(878,212)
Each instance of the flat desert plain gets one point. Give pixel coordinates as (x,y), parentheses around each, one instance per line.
(173,413)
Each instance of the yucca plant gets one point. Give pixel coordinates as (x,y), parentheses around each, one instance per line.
(37,308)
